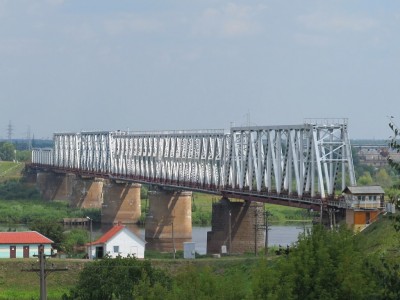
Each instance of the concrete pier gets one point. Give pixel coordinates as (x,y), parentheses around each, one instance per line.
(169,220)
(87,192)
(121,203)
(54,186)
(238,226)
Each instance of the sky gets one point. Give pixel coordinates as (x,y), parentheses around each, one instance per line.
(143,65)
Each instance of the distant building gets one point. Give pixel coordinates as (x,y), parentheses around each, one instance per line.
(119,240)
(23,244)
(376,155)
(364,205)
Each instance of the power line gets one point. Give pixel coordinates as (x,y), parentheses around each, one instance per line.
(10,130)
(43,271)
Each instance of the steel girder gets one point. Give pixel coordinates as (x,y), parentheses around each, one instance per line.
(300,160)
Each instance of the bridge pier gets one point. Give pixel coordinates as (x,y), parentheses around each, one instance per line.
(236,225)
(87,192)
(169,220)
(54,186)
(121,203)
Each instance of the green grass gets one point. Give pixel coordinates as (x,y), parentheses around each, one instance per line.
(18,284)
(380,238)
(25,211)
(10,170)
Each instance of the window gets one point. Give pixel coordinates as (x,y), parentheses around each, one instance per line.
(116,249)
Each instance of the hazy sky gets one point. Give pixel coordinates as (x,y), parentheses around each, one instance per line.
(71,65)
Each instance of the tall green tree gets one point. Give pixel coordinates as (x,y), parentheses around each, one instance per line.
(118,278)
(324,265)
(49,228)
(7,151)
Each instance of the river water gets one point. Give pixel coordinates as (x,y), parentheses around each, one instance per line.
(277,235)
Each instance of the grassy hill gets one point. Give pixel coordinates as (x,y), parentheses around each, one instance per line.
(380,238)
(16,283)
(10,170)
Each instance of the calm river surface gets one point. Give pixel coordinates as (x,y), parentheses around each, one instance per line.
(278,235)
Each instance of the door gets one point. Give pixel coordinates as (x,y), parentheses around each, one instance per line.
(99,252)
(13,251)
(26,251)
(368,218)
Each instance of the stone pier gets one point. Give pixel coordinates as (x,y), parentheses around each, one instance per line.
(87,192)
(121,203)
(236,227)
(55,186)
(169,220)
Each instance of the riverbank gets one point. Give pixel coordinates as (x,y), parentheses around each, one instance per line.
(17,282)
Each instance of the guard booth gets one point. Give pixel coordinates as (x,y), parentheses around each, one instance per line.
(364,204)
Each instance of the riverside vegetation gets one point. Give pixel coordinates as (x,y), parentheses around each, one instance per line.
(323,264)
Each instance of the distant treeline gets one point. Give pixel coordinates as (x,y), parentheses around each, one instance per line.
(23,144)
(369,142)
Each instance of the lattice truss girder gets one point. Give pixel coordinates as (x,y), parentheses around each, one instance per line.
(196,159)
(303,160)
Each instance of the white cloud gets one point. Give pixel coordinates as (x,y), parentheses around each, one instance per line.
(321,21)
(231,20)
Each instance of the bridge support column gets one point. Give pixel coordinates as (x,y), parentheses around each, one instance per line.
(169,220)
(54,186)
(121,203)
(236,225)
(87,192)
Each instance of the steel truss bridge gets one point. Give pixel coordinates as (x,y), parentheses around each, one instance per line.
(301,165)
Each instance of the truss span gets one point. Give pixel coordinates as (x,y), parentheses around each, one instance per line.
(301,162)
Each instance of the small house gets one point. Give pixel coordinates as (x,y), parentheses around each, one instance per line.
(118,241)
(24,244)
(364,204)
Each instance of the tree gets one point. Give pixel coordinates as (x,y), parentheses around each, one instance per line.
(324,264)
(383,179)
(49,228)
(365,179)
(117,278)
(7,151)
(394,144)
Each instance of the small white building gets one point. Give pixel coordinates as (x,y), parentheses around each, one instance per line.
(23,244)
(119,240)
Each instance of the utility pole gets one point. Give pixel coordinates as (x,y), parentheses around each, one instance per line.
(28,138)
(230,231)
(173,239)
(255,231)
(266,224)
(90,256)
(43,271)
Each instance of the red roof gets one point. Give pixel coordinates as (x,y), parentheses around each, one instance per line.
(23,237)
(108,235)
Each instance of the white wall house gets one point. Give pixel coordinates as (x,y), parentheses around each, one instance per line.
(119,240)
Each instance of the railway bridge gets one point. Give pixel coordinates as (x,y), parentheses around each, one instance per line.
(304,165)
